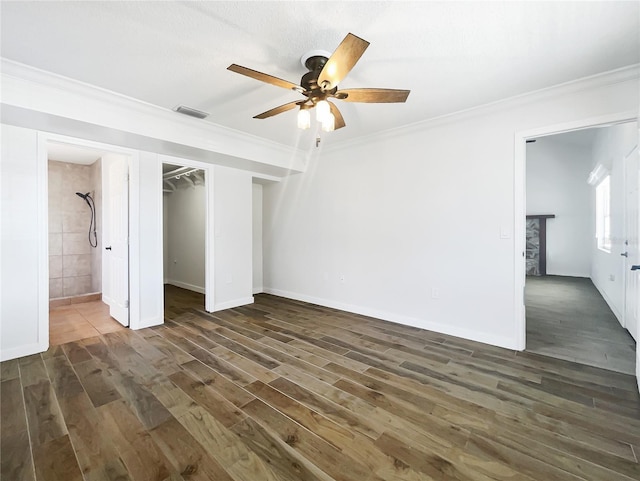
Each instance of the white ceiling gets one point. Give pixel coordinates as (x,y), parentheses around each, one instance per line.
(62,152)
(451,55)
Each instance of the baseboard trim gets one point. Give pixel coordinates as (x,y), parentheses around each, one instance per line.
(152,321)
(184,285)
(482,337)
(608,301)
(258,290)
(234,303)
(22,351)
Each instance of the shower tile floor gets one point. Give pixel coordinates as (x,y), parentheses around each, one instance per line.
(79,321)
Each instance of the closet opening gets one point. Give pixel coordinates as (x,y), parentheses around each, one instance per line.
(184,236)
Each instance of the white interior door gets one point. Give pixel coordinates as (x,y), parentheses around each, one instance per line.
(632,261)
(116,237)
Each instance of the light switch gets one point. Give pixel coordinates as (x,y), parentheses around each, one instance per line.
(505,233)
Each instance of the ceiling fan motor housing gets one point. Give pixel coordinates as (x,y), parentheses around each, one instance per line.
(309,81)
(314,61)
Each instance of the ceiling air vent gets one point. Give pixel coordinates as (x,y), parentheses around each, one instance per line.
(198,114)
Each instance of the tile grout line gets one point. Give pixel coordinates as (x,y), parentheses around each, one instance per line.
(86,321)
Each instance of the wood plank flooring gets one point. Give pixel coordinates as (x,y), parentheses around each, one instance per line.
(283,390)
(568,319)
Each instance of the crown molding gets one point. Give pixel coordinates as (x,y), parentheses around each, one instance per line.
(623,74)
(48,93)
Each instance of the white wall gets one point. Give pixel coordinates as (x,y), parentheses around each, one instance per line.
(21,225)
(416,226)
(147,291)
(611,146)
(557,174)
(257,238)
(165,236)
(233,214)
(185,223)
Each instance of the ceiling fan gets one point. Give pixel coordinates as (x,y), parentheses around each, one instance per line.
(320,83)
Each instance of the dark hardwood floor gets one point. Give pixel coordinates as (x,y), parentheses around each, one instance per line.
(567,318)
(283,390)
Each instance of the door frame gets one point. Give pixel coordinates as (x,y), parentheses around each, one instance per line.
(519,188)
(44,138)
(209,234)
(628,234)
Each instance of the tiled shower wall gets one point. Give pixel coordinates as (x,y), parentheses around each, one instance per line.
(74,266)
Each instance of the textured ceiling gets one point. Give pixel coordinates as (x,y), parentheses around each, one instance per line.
(451,55)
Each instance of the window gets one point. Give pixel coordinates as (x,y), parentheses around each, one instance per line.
(603,214)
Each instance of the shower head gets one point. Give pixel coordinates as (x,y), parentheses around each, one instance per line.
(87,198)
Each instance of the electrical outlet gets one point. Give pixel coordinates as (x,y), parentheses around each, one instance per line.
(612,277)
(435,293)
(342,279)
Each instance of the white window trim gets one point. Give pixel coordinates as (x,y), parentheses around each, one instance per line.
(603,215)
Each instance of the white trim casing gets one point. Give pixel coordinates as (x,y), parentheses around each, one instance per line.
(234,303)
(134,214)
(209,241)
(609,302)
(519,240)
(43,247)
(22,351)
(184,285)
(623,74)
(519,187)
(134,242)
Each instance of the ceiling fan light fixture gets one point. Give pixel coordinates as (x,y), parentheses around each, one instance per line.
(322,110)
(304,119)
(329,123)
(324,72)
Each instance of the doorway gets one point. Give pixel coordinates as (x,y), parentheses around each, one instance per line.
(185,208)
(81,274)
(578,309)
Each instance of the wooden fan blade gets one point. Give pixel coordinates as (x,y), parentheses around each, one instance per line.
(342,61)
(263,77)
(339,121)
(372,95)
(278,110)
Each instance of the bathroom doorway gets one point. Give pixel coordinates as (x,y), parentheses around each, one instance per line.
(76,203)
